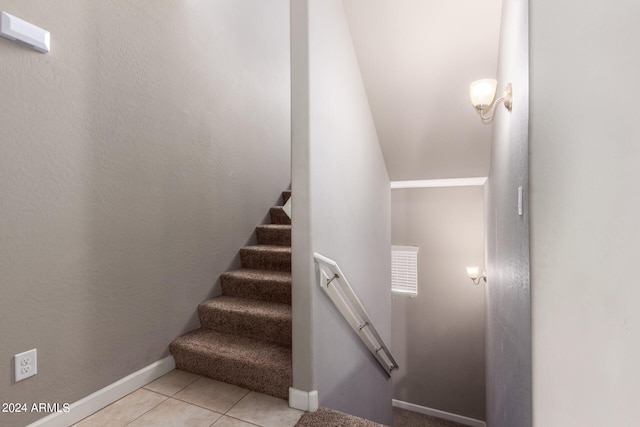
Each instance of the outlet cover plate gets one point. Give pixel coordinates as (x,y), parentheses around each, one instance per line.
(26,365)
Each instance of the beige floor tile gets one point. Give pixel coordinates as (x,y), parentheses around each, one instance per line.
(172,382)
(225,421)
(125,410)
(266,411)
(174,412)
(212,394)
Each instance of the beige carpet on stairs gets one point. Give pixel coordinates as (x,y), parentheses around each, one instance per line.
(405,418)
(324,417)
(329,418)
(245,333)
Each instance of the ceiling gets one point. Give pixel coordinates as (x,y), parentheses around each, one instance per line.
(417,58)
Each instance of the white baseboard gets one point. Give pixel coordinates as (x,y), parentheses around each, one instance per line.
(303,400)
(440,414)
(106,396)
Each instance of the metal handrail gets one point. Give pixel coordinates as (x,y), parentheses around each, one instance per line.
(334,283)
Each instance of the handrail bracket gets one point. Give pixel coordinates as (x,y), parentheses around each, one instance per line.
(335,276)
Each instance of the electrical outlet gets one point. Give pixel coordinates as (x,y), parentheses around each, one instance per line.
(26,365)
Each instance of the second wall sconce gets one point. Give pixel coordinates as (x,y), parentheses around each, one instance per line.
(475,276)
(483,94)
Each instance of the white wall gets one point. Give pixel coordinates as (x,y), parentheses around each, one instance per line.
(585,202)
(343,212)
(135,160)
(508,288)
(438,335)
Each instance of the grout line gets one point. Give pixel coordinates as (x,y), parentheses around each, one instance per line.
(235,418)
(192,404)
(239,400)
(204,407)
(151,409)
(172,395)
(198,378)
(195,404)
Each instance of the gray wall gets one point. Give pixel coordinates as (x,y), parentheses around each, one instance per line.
(343,212)
(585,205)
(135,160)
(438,335)
(508,287)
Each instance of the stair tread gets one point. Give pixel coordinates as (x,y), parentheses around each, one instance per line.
(250,363)
(264,320)
(266,257)
(274,234)
(262,353)
(260,275)
(266,285)
(275,226)
(250,307)
(267,248)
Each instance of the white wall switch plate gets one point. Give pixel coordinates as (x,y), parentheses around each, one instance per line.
(520,201)
(13,28)
(26,365)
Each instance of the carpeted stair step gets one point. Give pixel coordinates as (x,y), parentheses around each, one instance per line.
(265,285)
(245,338)
(263,320)
(278,216)
(274,234)
(266,257)
(253,364)
(329,417)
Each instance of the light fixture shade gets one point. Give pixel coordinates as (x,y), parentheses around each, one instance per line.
(483,92)
(473,272)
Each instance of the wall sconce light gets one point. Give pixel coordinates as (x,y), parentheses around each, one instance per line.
(474,275)
(483,93)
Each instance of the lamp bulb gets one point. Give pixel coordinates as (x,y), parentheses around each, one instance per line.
(473,272)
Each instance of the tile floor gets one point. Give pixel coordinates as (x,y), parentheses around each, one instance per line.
(183,399)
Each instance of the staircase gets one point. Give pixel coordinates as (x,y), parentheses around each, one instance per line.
(245,334)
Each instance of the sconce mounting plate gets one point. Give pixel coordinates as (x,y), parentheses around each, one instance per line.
(508,100)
